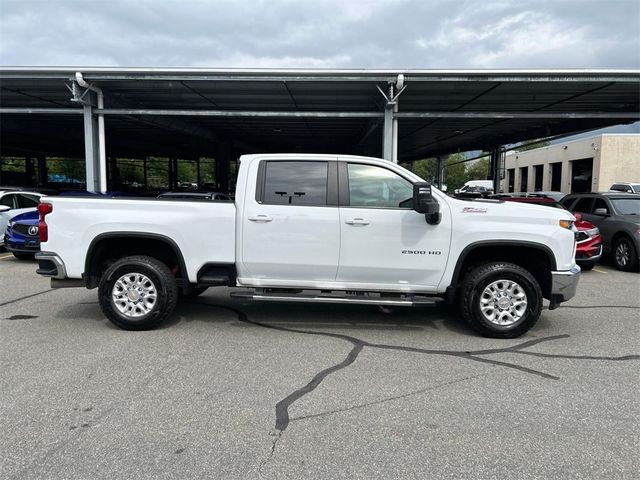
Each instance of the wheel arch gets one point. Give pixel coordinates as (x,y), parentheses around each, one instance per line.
(535,257)
(114,245)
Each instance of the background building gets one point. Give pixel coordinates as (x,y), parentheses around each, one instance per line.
(590,164)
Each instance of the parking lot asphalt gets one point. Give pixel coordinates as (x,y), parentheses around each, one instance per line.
(231,389)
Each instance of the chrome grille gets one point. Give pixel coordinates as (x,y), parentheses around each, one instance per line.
(581,236)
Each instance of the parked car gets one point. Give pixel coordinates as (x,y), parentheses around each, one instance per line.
(474,191)
(195,196)
(625,187)
(21,237)
(617,215)
(13,203)
(588,238)
(557,196)
(472,187)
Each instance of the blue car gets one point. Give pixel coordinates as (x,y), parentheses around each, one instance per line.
(21,237)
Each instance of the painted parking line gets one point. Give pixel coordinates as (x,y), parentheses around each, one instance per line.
(599,271)
(8,255)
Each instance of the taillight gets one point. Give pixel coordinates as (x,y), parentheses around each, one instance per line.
(43,231)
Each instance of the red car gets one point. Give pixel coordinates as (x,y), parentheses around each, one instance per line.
(588,238)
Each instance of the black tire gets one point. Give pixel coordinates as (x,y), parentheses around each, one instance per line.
(193,292)
(24,256)
(585,267)
(480,278)
(163,283)
(626,262)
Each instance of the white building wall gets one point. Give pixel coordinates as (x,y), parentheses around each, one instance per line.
(616,158)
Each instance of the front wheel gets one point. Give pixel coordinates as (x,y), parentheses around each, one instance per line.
(625,256)
(137,293)
(501,300)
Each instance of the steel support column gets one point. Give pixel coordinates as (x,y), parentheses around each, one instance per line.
(387,134)
(91,150)
(496,167)
(390,125)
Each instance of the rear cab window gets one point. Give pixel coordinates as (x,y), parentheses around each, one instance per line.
(290,182)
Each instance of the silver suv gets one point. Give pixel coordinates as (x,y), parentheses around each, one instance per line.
(625,187)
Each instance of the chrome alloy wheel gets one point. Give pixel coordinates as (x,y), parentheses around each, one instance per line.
(503,302)
(134,295)
(623,254)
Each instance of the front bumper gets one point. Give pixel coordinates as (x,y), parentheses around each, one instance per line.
(592,255)
(21,247)
(50,265)
(564,285)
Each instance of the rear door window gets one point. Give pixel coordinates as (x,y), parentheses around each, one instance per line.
(567,202)
(28,201)
(295,183)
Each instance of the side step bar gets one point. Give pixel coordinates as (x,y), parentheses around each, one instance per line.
(352,299)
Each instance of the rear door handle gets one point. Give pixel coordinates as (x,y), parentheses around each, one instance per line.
(260,218)
(357,221)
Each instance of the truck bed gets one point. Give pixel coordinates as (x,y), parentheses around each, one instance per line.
(203,230)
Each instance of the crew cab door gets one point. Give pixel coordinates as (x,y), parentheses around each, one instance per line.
(291,227)
(384,242)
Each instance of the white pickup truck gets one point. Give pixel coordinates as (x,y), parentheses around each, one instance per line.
(315,228)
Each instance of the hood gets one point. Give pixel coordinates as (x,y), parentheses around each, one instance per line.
(525,210)
(27,218)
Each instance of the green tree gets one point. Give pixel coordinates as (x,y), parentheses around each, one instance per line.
(425,169)
(478,170)
(454,171)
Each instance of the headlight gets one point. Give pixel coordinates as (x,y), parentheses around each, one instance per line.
(592,232)
(568,224)
(11,223)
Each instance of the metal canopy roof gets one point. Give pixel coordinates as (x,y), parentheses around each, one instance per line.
(187,112)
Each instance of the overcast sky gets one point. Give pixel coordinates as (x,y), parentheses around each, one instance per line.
(322,34)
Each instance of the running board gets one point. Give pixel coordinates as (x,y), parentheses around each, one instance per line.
(354,300)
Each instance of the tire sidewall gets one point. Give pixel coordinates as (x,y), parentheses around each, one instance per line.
(633,255)
(506,273)
(106,299)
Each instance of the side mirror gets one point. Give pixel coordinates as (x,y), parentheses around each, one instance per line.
(423,202)
(4,208)
(578,216)
(603,212)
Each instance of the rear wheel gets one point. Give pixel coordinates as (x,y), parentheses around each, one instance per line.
(501,300)
(625,257)
(137,293)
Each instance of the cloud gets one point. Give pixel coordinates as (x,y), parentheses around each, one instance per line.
(322,33)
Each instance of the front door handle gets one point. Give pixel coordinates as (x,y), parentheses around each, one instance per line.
(357,221)
(260,218)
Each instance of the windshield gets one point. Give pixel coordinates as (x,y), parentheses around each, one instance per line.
(626,206)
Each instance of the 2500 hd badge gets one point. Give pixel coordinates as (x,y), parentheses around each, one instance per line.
(421,252)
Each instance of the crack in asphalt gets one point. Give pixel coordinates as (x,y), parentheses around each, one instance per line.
(25,297)
(387,399)
(282,407)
